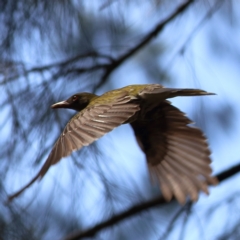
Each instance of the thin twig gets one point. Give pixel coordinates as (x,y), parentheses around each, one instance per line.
(206,17)
(187,208)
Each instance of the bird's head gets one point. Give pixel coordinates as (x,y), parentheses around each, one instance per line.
(76,102)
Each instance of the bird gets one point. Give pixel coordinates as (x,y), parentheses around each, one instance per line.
(177,153)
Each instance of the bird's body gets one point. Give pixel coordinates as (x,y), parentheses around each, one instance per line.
(177,154)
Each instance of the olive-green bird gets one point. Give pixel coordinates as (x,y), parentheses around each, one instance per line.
(177,154)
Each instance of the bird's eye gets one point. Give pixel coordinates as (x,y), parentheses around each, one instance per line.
(75,98)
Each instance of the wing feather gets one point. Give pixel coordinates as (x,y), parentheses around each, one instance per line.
(177,154)
(86,127)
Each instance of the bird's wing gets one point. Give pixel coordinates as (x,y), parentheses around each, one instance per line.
(177,154)
(86,127)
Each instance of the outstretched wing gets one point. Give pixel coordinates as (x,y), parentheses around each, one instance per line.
(86,127)
(177,154)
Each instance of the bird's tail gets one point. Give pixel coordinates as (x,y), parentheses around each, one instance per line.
(160,94)
(176,92)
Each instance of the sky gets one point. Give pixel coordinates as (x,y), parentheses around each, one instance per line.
(202,66)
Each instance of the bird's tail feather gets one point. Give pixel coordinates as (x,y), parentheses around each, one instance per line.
(175,92)
(160,94)
(178,92)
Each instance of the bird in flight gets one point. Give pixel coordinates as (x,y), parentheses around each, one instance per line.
(177,154)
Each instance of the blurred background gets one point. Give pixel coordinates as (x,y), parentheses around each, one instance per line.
(50,50)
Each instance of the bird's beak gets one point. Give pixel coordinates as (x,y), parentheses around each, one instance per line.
(63,104)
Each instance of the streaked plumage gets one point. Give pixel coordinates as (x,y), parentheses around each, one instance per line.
(177,154)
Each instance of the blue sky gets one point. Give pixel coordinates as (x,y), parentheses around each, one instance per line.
(201,66)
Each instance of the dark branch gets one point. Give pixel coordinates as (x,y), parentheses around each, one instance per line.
(107,67)
(68,61)
(117,218)
(63,66)
(228,173)
(141,207)
(153,33)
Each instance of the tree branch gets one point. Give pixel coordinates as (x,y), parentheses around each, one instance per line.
(107,67)
(141,207)
(70,60)
(228,173)
(61,65)
(153,33)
